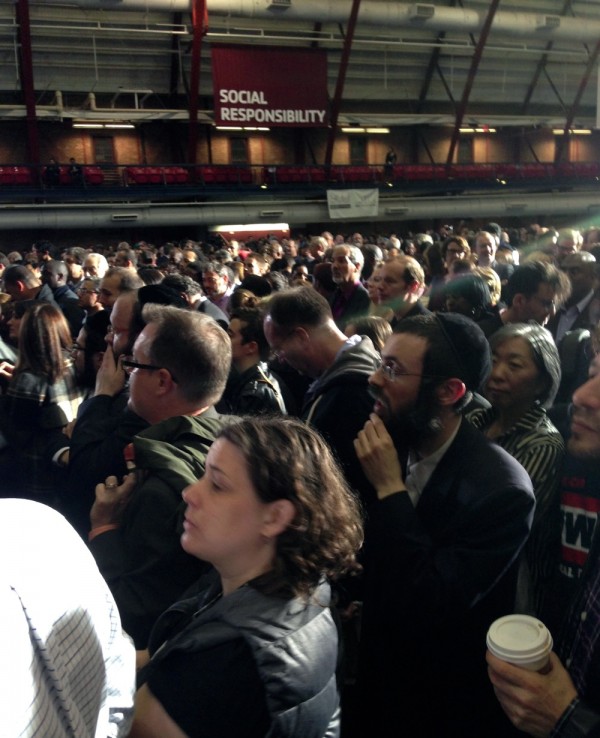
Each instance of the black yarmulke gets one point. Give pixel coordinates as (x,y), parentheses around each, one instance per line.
(470,349)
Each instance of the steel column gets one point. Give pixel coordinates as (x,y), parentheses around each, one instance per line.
(560,145)
(339,87)
(460,114)
(200,23)
(27,83)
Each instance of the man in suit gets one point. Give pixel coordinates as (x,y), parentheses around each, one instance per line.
(453,513)
(581,310)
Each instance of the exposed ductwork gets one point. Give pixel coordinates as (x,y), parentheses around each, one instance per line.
(435,18)
(146,215)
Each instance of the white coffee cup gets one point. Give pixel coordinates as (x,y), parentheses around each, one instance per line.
(520,640)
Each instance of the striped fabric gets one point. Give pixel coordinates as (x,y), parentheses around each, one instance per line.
(67,670)
(538,446)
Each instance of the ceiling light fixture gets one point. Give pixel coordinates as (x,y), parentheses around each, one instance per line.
(241,128)
(576,131)
(82,124)
(482,129)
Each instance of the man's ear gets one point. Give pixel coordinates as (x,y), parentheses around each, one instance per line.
(279,517)
(450,391)
(250,347)
(518,300)
(166,382)
(414,288)
(303,334)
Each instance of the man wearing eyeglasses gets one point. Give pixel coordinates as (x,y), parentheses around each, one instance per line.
(301,332)
(442,542)
(534,291)
(178,370)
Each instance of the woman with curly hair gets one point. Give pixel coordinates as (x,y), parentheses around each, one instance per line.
(254,653)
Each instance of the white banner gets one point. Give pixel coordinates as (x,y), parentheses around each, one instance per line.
(345,204)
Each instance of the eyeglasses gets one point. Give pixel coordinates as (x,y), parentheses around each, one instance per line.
(546,304)
(279,353)
(85,291)
(393,373)
(129,366)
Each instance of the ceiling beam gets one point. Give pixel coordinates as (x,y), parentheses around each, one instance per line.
(563,140)
(462,108)
(341,78)
(200,23)
(27,83)
(541,65)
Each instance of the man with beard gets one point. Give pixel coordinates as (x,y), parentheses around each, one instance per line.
(350,299)
(453,513)
(565,701)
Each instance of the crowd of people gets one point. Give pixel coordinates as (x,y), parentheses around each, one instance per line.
(311,472)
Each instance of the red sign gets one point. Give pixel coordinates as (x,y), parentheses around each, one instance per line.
(270,87)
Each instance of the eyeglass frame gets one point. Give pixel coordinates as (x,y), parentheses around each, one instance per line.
(279,353)
(391,374)
(131,365)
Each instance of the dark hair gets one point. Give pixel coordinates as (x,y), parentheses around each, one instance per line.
(20,307)
(322,274)
(412,272)
(77,253)
(129,254)
(20,273)
(182,283)
(277,281)
(543,350)
(43,336)
(456,348)
(526,279)
(459,241)
(95,328)
(288,460)
(220,269)
(55,268)
(95,282)
(378,329)
(241,298)
(299,306)
(260,286)
(161,294)
(150,275)
(252,328)
(434,260)
(473,289)
(193,347)
(128,279)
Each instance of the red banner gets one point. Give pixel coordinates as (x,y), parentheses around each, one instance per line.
(270,87)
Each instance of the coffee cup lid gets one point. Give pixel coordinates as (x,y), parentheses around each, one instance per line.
(518,637)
